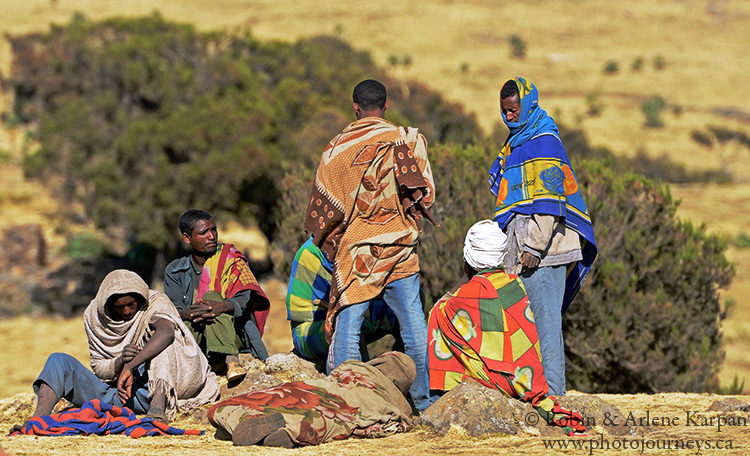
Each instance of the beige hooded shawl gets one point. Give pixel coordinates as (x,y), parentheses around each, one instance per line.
(181,369)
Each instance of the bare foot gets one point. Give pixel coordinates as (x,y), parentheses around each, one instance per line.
(46,400)
(157,414)
(158,407)
(235,370)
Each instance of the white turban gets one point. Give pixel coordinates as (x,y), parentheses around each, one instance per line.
(485,245)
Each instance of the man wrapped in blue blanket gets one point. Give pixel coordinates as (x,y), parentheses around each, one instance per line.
(551,243)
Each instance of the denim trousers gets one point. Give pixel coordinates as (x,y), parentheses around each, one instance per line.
(70,379)
(545,287)
(402,297)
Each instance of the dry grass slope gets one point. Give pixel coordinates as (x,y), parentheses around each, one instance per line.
(461,49)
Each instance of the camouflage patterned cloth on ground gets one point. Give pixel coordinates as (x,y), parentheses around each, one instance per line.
(227,273)
(486,331)
(372,187)
(357,400)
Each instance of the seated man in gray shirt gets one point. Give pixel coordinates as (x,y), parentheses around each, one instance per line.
(217,295)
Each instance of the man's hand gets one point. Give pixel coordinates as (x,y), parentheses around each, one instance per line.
(129,352)
(202,313)
(205,312)
(184,314)
(125,383)
(529,261)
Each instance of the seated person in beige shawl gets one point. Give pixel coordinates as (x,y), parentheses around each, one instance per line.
(142,355)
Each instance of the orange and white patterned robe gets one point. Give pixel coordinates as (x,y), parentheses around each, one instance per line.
(372,187)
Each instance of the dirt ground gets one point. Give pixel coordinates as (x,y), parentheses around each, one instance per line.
(685,427)
(461,49)
(23,357)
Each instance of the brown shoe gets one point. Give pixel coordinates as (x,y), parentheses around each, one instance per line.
(235,370)
(278,438)
(253,429)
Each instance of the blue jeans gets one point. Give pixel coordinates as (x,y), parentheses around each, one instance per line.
(70,379)
(402,297)
(545,287)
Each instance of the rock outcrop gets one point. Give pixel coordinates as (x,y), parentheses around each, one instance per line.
(478,411)
(475,409)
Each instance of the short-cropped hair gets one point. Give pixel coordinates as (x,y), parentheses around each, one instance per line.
(189,218)
(369,95)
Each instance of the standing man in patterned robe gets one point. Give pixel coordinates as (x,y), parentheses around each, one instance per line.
(372,189)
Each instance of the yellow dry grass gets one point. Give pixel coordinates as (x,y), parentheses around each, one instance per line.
(704,43)
(30,340)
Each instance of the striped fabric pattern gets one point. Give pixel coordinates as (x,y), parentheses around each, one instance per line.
(99,418)
(309,285)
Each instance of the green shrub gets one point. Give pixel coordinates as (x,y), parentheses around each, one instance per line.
(140,119)
(721,136)
(462,198)
(611,67)
(517,46)
(652,108)
(735,389)
(742,241)
(85,246)
(297,186)
(637,64)
(702,138)
(594,105)
(659,62)
(647,318)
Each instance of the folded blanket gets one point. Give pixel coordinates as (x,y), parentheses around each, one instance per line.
(100,418)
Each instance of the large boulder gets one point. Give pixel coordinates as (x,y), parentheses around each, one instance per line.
(288,367)
(477,410)
(474,408)
(279,368)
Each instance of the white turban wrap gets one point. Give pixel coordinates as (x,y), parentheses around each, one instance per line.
(485,245)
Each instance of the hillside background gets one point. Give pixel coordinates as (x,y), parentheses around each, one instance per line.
(692,54)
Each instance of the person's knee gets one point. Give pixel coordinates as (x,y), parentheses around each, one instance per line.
(60,359)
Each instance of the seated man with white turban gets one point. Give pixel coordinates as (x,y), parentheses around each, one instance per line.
(484,329)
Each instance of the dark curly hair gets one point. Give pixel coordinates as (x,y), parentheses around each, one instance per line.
(510,89)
